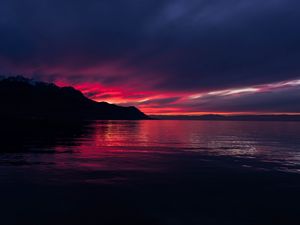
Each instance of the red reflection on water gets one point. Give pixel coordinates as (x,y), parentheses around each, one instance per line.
(136,145)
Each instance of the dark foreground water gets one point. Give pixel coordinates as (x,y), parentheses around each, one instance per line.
(150,172)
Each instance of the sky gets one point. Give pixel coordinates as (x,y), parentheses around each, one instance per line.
(163,56)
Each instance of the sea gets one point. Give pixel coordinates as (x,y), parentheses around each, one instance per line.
(152,172)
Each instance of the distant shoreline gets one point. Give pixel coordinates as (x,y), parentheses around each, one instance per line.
(216,117)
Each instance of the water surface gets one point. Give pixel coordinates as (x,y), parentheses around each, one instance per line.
(151,172)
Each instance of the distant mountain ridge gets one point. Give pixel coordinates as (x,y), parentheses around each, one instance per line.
(217,117)
(26,98)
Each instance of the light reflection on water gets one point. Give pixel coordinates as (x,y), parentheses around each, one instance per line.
(150,172)
(149,145)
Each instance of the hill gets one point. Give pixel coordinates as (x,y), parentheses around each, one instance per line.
(26,98)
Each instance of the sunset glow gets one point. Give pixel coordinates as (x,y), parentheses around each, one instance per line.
(181,103)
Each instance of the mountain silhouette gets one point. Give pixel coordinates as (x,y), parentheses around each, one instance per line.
(26,98)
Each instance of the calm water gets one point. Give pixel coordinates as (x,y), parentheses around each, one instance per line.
(136,145)
(151,172)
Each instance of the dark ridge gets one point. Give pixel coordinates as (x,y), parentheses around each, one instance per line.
(26,98)
(217,117)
